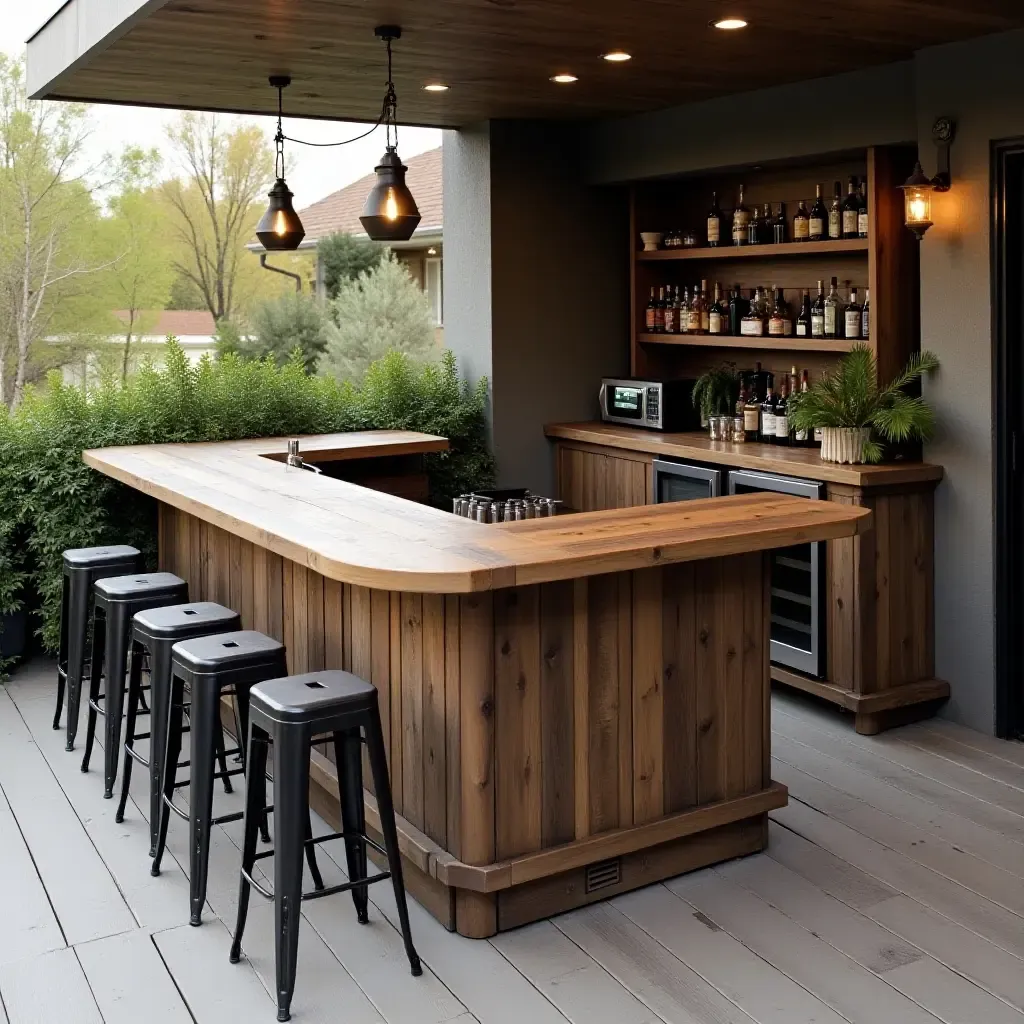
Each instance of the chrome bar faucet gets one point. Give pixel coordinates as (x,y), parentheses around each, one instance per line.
(296,461)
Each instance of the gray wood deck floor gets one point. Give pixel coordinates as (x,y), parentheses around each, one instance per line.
(893,891)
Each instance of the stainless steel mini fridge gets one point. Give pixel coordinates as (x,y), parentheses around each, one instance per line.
(797,581)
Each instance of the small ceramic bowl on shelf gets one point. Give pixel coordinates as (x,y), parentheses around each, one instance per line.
(651,240)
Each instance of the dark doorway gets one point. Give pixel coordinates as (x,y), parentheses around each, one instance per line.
(1008,384)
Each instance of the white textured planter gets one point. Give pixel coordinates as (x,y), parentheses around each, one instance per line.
(844,444)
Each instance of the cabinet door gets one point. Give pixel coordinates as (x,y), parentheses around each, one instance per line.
(590,481)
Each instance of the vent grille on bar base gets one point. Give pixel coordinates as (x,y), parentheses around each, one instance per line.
(603,874)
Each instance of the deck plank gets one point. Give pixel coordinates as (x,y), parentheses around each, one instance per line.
(963,951)
(951,900)
(29,927)
(581,989)
(921,787)
(933,986)
(155,903)
(216,991)
(81,890)
(870,792)
(48,989)
(855,993)
(644,966)
(941,855)
(768,995)
(1007,750)
(130,982)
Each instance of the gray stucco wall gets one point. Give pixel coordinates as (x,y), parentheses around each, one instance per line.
(537,279)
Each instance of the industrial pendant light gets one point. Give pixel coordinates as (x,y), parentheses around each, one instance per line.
(390,213)
(280,229)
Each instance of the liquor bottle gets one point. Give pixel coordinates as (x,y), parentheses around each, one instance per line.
(717,317)
(751,414)
(684,313)
(705,309)
(865,316)
(669,315)
(801,437)
(768,415)
(779,225)
(835,212)
(740,222)
(659,313)
(780,324)
(833,311)
(737,311)
(782,412)
(649,317)
(738,428)
(803,321)
(801,224)
(818,313)
(818,221)
(851,318)
(862,210)
(754,227)
(714,222)
(752,324)
(694,321)
(851,210)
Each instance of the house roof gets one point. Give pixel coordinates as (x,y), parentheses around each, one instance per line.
(340,210)
(182,323)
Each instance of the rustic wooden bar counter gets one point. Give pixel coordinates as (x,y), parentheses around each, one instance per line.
(573,707)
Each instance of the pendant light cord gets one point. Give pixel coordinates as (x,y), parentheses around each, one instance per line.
(388,117)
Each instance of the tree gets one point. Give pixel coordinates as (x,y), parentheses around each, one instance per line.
(142,276)
(277,327)
(382,311)
(47,224)
(216,203)
(344,258)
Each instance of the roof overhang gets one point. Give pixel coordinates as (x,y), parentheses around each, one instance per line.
(497,56)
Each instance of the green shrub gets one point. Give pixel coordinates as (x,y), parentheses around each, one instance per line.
(344,258)
(50,500)
(277,327)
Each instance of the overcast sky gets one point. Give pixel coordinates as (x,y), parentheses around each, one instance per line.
(312,173)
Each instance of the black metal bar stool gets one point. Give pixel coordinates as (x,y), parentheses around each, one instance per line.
(211,667)
(155,631)
(291,713)
(82,568)
(116,600)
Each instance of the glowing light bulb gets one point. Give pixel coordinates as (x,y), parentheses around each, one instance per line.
(918,208)
(564,79)
(390,206)
(730,23)
(280,224)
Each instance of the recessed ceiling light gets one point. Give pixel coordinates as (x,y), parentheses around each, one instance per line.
(436,87)
(564,79)
(617,56)
(730,23)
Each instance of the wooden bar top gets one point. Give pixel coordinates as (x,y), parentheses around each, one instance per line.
(368,538)
(698,447)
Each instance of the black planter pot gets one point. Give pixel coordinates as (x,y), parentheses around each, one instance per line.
(13,630)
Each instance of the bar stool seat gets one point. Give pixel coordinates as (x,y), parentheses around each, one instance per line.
(82,567)
(117,599)
(155,631)
(211,667)
(291,713)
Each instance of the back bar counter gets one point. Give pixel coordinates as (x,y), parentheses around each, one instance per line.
(573,707)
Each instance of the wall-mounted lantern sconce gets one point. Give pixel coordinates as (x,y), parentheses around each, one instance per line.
(918,188)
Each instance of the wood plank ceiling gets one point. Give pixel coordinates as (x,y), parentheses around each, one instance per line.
(497,56)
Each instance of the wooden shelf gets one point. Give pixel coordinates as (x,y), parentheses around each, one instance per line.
(777,344)
(749,252)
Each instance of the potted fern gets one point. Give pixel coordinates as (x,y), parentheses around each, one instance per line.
(849,407)
(714,392)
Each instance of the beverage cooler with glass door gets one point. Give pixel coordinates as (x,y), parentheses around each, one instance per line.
(797,572)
